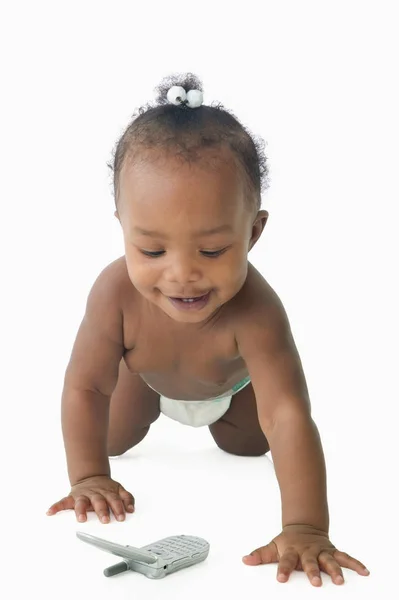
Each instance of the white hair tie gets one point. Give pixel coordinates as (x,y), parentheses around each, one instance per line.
(178,95)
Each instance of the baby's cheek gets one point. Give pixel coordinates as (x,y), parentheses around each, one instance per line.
(241,273)
(233,275)
(239,265)
(138,274)
(145,278)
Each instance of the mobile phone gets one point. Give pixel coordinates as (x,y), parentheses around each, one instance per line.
(155,560)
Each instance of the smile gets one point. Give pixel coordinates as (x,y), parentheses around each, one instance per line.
(194,303)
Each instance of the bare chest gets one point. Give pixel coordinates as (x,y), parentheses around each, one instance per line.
(187,364)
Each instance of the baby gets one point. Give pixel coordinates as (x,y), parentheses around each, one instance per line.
(183,324)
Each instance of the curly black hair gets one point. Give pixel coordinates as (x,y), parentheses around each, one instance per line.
(185,131)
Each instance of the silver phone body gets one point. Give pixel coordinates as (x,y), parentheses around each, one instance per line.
(155,560)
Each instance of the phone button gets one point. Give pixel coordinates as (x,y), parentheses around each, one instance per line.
(178,561)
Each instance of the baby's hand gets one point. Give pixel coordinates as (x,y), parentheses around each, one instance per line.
(99,494)
(304,547)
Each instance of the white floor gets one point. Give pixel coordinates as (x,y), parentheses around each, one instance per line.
(184,484)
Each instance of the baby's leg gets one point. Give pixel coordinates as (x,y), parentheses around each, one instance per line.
(134,406)
(238,431)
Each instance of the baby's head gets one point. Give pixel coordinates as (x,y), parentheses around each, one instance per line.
(187,185)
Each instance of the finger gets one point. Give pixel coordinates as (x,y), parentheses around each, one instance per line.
(264,555)
(286,565)
(66,503)
(331,567)
(116,505)
(128,499)
(100,506)
(311,567)
(82,505)
(349,562)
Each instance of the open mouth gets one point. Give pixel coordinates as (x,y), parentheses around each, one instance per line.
(195,303)
(194,299)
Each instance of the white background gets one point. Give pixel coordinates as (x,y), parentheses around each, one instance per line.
(318,81)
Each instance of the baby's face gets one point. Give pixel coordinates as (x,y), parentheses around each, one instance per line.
(187,232)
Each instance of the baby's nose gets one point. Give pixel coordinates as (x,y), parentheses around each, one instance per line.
(182,271)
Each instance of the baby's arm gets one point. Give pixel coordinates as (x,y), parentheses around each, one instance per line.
(266,343)
(90,379)
(267,346)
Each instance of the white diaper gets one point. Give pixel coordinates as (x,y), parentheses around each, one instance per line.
(198,413)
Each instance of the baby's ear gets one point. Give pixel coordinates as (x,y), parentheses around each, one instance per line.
(257,227)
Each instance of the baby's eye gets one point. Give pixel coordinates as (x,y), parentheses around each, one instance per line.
(213,253)
(153,254)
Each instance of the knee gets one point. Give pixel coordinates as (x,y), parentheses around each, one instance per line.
(232,440)
(118,446)
(115,450)
(243,447)
(246,451)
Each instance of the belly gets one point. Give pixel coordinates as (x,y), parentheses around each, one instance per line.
(198,365)
(191,389)
(187,382)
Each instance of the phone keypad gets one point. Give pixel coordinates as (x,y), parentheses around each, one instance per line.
(178,546)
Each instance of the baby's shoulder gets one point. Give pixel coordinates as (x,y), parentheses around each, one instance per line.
(258,307)
(256,295)
(116,285)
